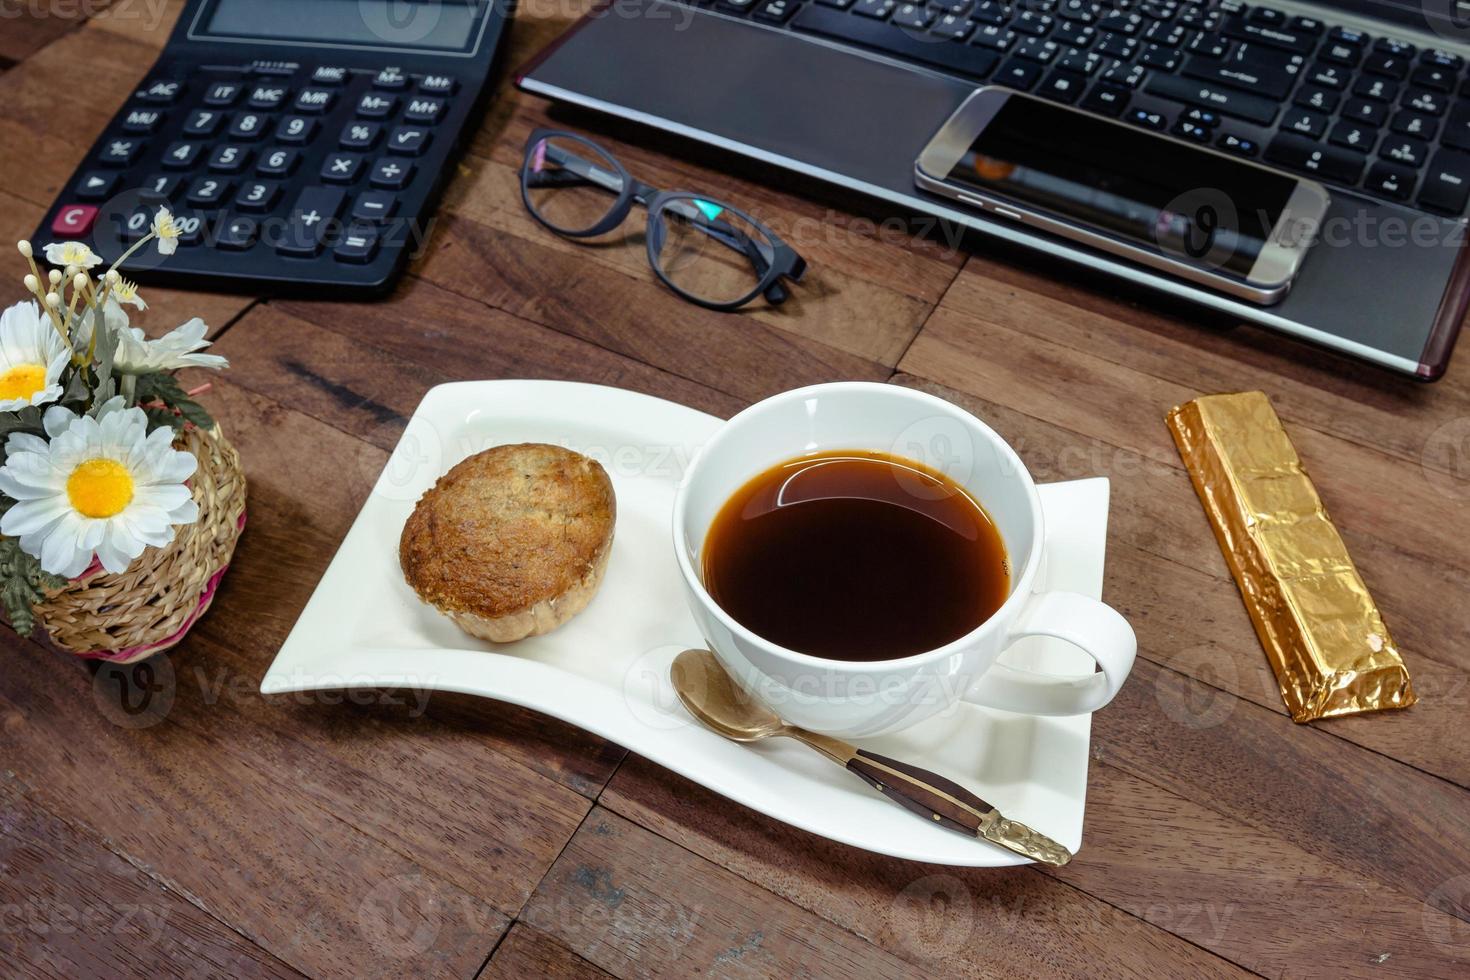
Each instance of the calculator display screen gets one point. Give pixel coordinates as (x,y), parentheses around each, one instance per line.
(1161,194)
(431,25)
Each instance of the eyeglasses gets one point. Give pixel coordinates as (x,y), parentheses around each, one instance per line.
(706,251)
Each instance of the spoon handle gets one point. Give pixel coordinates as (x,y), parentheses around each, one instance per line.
(949,804)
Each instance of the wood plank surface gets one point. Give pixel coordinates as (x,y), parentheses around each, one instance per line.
(173,821)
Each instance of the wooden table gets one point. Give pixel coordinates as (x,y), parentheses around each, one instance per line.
(239,835)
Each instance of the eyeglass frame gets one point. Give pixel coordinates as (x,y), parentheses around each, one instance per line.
(785,263)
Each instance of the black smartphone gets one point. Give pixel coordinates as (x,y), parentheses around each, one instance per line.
(1198,213)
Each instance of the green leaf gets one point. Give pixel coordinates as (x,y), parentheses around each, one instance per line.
(160,417)
(22,585)
(165,387)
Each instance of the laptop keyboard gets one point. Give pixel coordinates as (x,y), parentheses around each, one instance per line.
(1352,110)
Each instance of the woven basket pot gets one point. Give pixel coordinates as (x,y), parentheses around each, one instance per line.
(149,607)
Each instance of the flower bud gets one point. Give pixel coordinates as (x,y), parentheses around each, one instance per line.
(54,276)
(24,247)
(53,300)
(32,283)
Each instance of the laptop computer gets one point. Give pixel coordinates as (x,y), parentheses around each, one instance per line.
(1370,97)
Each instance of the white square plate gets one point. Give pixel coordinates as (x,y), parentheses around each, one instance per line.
(607,670)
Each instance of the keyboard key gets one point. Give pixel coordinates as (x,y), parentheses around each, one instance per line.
(203,122)
(1410,123)
(1341,54)
(1349,35)
(1123,74)
(1353,136)
(329,75)
(1270,82)
(1364,111)
(1395,47)
(1019,75)
(315,100)
(1062,86)
(438,84)
(1117,46)
(967,60)
(248,125)
(772,12)
(132,226)
(359,244)
(1163,59)
(1401,150)
(190,226)
(161,91)
(954,27)
(1222,100)
(1446,183)
(1309,156)
(408,140)
(1390,180)
(222,93)
(1433,77)
(1334,77)
(1382,63)
(121,152)
(73,220)
(296,129)
(229,158)
(1191,131)
(1276,37)
(1032,22)
(391,79)
(181,156)
(429,111)
(374,106)
(1308,25)
(95,185)
(268,96)
(1316,97)
(277,162)
(161,186)
(1209,46)
(1425,101)
(991,12)
(1079,62)
(359,135)
(1457,128)
(1036,49)
(391,174)
(143,121)
(1304,121)
(237,234)
(876,9)
(341,168)
(373,206)
(1146,119)
(1238,145)
(257,195)
(206,192)
(1269,16)
(1204,117)
(1377,89)
(995,38)
(1440,58)
(312,216)
(1106,100)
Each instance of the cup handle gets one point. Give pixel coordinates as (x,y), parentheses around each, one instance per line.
(1094,627)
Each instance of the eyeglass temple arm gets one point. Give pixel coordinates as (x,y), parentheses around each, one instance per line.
(574,170)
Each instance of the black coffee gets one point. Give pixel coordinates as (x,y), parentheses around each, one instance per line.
(856,556)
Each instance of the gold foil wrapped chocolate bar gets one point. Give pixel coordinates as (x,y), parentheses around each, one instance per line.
(1322,632)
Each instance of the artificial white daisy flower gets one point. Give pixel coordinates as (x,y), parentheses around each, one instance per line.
(126,291)
(32,357)
(167,232)
(136,354)
(74,255)
(102,488)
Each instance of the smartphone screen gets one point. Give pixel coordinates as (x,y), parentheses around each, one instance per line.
(1159,194)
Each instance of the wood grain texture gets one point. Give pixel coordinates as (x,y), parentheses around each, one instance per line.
(393,832)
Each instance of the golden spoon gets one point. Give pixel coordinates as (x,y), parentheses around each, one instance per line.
(719,703)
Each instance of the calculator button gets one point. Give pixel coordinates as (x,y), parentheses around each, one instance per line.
(222,93)
(74,220)
(161,186)
(120,152)
(373,206)
(203,122)
(312,215)
(438,84)
(390,78)
(372,106)
(424,110)
(315,100)
(95,185)
(248,125)
(142,120)
(134,226)
(257,195)
(190,226)
(161,91)
(341,168)
(391,174)
(181,156)
(359,244)
(229,158)
(206,192)
(277,163)
(296,129)
(268,96)
(408,140)
(360,135)
(329,75)
(238,234)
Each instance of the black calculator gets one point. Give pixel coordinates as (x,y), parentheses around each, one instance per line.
(300,144)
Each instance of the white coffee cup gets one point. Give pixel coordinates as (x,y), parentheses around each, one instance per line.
(861,698)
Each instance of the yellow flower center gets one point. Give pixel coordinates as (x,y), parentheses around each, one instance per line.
(22,381)
(100,488)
